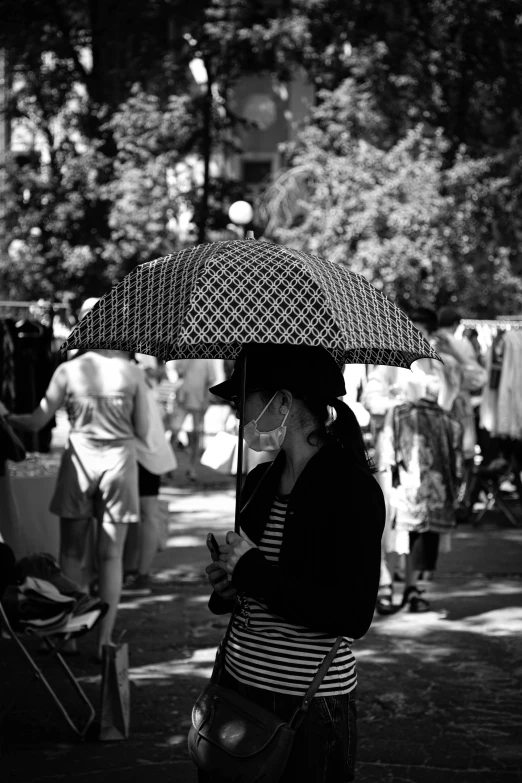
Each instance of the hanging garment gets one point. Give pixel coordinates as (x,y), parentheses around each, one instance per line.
(385,388)
(489,402)
(7,364)
(510,388)
(34,367)
(422,445)
(462,411)
(497,357)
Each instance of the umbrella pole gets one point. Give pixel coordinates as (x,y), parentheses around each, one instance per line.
(239,475)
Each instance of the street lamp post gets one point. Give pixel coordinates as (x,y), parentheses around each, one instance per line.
(202,76)
(241,214)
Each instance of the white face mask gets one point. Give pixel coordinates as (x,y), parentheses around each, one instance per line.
(264,441)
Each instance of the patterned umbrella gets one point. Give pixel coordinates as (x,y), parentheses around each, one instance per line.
(209,300)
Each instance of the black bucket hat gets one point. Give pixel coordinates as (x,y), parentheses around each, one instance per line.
(307,370)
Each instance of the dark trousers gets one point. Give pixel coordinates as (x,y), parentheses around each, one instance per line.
(424,549)
(325,744)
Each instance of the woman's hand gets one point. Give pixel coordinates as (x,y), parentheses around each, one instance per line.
(218,578)
(233,550)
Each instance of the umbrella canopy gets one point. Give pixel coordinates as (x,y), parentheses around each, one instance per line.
(208,301)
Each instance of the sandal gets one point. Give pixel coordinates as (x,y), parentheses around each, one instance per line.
(413,599)
(384,604)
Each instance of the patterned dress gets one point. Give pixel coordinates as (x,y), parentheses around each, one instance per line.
(422,445)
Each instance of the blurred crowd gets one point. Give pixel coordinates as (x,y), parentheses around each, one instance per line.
(434,432)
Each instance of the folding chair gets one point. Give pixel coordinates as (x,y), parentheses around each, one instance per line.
(54,641)
(488,478)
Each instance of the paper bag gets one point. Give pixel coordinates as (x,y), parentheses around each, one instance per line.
(163,525)
(221,453)
(115,693)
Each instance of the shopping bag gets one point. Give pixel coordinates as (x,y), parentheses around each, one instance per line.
(163,525)
(221,453)
(115,693)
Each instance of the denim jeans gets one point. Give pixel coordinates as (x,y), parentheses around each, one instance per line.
(325,744)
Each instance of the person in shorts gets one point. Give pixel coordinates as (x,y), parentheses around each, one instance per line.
(106,401)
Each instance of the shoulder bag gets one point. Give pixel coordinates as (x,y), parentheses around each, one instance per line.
(237,740)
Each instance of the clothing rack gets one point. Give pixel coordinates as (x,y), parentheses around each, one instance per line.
(507,322)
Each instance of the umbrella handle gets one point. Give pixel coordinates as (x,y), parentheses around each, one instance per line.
(239,474)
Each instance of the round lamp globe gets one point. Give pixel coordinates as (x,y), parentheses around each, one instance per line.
(241,213)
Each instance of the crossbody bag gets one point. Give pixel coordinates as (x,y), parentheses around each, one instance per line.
(237,739)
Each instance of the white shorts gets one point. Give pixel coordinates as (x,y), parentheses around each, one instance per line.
(98,479)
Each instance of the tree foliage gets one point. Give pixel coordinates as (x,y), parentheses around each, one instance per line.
(415,144)
(105,92)
(420,230)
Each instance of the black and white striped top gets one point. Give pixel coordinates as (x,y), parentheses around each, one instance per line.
(267,652)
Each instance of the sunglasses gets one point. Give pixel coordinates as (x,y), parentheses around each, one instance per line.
(235,398)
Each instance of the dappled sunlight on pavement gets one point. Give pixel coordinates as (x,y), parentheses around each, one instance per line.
(199,664)
(439,693)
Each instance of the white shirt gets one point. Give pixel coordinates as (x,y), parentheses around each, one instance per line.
(154,453)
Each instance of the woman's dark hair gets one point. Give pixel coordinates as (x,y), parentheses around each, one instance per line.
(343,430)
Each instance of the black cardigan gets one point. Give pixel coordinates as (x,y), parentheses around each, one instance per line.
(329,564)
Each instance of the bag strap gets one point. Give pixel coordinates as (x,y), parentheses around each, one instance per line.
(301,711)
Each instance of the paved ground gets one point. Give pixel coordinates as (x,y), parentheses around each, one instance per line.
(439,695)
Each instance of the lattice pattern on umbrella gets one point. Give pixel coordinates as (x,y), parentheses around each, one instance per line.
(209,300)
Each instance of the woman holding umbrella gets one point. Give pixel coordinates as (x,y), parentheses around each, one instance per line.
(303,561)
(305,568)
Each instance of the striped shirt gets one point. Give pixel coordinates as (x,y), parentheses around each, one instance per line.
(267,652)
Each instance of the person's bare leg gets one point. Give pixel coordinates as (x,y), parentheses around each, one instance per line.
(73,541)
(385,594)
(131,552)
(111,542)
(149,532)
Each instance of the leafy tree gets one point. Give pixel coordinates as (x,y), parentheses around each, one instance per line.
(54,221)
(454,64)
(152,138)
(103,191)
(73,66)
(420,230)
(68,66)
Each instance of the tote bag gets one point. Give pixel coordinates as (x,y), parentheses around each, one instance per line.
(115,693)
